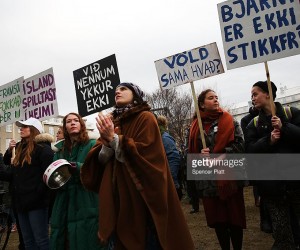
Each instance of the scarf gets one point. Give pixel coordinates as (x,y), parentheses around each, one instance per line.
(120,110)
(224,136)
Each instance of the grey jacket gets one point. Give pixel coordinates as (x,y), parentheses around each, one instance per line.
(208,188)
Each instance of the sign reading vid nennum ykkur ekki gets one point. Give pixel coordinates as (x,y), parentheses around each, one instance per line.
(188,66)
(255,31)
(95,85)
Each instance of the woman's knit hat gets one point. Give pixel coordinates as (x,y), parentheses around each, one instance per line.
(264,87)
(134,88)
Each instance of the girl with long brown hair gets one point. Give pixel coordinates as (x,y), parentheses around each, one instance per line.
(74,220)
(223,200)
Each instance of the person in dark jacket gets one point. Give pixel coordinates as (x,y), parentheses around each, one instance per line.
(33,156)
(276,135)
(5,174)
(191,189)
(172,152)
(265,220)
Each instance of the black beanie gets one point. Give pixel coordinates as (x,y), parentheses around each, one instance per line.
(264,87)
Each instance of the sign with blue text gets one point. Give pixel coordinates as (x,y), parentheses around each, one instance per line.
(255,31)
(95,85)
(39,96)
(11,102)
(189,66)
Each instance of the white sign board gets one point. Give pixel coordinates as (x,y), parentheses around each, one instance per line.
(255,31)
(11,102)
(189,66)
(39,93)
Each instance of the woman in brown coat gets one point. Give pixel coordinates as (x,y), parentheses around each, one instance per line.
(139,207)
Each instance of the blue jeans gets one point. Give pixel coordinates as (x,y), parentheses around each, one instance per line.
(34,228)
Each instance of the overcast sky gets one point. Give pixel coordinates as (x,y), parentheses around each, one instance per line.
(69,34)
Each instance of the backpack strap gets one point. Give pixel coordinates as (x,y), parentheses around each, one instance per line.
(288,112)
(255,120)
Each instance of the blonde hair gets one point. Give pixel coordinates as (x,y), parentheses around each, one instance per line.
(162,121)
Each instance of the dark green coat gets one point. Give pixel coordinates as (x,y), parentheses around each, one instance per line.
(75,210)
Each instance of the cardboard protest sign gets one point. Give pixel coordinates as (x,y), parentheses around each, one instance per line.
(95,85)
(189,66)
(255,31)
(11,102)
(39,93)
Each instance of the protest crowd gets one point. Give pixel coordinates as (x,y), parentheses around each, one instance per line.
(122,187)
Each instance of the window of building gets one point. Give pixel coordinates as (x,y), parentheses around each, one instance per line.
(51,130)
(9,128)
(7,143)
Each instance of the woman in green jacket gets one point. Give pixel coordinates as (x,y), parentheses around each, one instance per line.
(74,221)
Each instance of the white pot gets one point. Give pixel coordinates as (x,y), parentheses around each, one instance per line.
(57,174)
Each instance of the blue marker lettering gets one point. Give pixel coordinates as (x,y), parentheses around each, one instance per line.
(253,46)
(181,62)
(226,13)
(164,80)
(257,25)
(244,46)
(291,40)
(203,52)
(171,65)
(192,60)
(263,4)
(273,43)
(262,47)
(232,55)
(251,4)
(269,21)
(242,14)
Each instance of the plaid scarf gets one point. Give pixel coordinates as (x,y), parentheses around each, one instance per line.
(120,110)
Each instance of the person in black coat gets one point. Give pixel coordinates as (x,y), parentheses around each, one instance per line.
(265,220)
(274,135)
(4,173)
(30,193)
